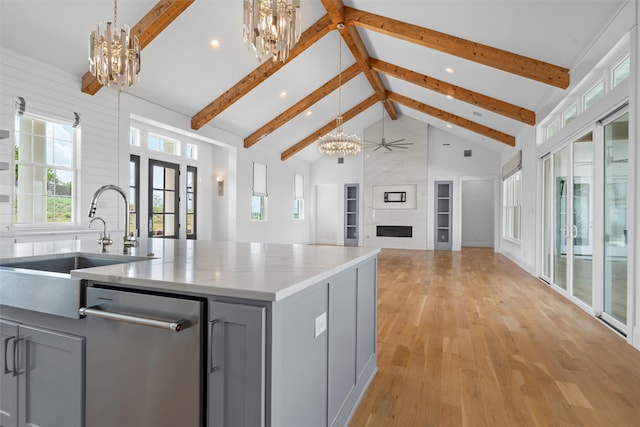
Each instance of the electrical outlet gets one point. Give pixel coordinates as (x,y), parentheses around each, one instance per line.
(321,324)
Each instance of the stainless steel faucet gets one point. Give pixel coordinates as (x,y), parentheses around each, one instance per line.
(105,238)
(129,240)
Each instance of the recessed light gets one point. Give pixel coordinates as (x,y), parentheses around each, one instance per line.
(308,113)
(214,44)
(282,95)
(449,70)
(449,96)
(477,114)
(449,126)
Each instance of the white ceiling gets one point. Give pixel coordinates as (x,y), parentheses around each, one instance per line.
(181,72)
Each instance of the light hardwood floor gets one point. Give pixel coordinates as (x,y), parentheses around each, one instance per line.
(469,339)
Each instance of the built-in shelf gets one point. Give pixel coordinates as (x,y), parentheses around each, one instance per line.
(442,229)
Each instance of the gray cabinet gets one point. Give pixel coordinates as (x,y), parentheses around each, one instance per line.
(236,365)
(342,340)
(352,339)
(42,377)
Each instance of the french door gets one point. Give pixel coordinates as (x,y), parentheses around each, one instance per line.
(584,195)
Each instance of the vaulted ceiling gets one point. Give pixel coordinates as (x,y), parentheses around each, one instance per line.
(480,69)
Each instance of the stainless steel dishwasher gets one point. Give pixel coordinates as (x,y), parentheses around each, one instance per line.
(144,359)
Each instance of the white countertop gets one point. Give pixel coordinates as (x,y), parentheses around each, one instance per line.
(262,271)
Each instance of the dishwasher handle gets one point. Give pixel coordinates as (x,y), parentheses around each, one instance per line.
(176,326)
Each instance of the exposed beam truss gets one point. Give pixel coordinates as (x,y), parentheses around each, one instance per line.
(148,28)
(260,74)
(474,98)
(497,58)
(452,118)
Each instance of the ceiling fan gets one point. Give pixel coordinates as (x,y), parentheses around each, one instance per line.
(398,144)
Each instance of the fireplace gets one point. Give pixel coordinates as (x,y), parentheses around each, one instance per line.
(394,231)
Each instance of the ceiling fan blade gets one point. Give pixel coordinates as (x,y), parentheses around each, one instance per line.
(388,148)
(377,148)
(397,140)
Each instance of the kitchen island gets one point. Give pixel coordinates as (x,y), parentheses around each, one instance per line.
(287,332)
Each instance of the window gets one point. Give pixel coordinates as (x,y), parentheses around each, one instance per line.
(552,129)
(163,144)
(134,194)
(298,196)
(569,115)
(621,71)
(511,201)
(163,199)
(192,152)
(593,95)
(134,137)
(192,179)
(44,171)
(259,193)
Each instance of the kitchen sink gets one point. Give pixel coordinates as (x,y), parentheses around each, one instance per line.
(44,283)
(66,263)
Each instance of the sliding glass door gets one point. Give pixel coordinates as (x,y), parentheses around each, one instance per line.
(616,175)
(582,219)
(585,220)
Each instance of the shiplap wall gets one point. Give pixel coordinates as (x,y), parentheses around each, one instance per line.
(99,156)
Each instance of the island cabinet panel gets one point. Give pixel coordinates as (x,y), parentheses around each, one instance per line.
(352,338)
(366,317)
(236,365)
(42,377)
(299,359)
(342,340)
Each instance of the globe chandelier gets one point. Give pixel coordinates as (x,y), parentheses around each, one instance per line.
(114,55)
(271,27)
(339,144)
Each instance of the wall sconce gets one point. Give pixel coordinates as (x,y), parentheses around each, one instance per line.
(220,181)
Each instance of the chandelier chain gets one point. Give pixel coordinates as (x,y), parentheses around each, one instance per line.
(115,13)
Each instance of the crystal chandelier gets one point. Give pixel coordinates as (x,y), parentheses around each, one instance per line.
(271,27)
(339,144)
(114,55)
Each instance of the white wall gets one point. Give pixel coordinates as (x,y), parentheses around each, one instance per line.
(388,171)
(58,93)
(104,158)
(328,178)
(524,252)
(446,162)
(478,213)
(280,227)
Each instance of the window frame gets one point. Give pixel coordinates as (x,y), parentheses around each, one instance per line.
(512,207)
(176,201)
(259,192)
(135,160)
(194,171)
(72,170)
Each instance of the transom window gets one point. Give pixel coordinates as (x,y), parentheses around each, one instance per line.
(163,144)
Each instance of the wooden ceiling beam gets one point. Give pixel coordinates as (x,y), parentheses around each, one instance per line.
(474,98)
(260,74)
(291,151)
(148,28)
(497,58)
(335,10)
(453,119)
(302,105)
